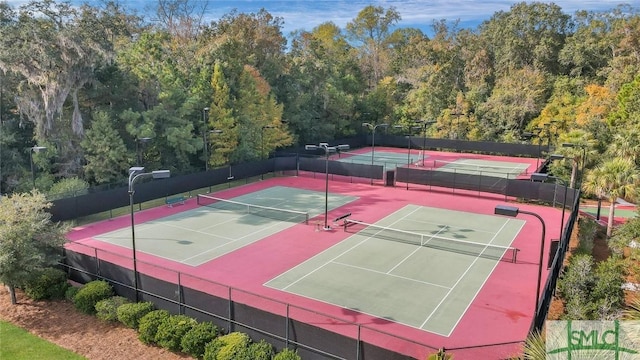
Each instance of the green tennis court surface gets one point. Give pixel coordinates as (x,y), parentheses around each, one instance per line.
(484,167)
(390,160)
(216,228)
(604,212)
(426,287)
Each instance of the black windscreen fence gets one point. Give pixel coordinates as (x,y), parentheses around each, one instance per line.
(528,150)
(318,165)
(490,184)
(550,193)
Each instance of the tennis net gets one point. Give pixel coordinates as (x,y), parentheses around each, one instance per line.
(497,252)
(258,210)
(346,155)
(454,165)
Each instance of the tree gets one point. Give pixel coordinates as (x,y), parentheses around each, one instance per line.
(582,147)
(55,53)
(105,152)
(29,241)
(528,35)
(221,118)
(372,29)
(613,179)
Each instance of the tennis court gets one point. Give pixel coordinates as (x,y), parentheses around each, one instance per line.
(220,226)
(390,160)
(480,166)
(420,266)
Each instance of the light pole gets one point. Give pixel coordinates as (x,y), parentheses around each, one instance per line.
(457,114)
(513,212)
(327,151)
(584,157)
(409,133)
(542,178)
(135,173)
(262,143)
(33,169)
(205,129)
(425,124)
(373,139)
(138,156)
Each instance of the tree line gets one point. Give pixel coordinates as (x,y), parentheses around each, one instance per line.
(103,88)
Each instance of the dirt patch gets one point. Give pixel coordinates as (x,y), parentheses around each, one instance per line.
(60,323)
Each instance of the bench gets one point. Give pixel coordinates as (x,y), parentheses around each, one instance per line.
(175,200)
(341,217)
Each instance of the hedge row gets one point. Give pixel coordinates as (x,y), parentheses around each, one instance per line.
(177,333)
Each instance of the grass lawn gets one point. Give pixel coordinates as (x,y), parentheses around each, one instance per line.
(18,344)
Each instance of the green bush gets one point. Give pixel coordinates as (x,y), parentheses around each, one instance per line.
(107,309)
(130,314)
(287,354)
(68,187)
(194,341)
(149,325)
(587,229)
(232,346)
(172,329)
(48,283)
(261,351)
(71,292)
(89,295)
(607,294)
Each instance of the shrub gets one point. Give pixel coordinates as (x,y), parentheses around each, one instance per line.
(130,314)
(172,329)
(194,341)
(71,292)
(607,294)
(261,351)
(107,309)
(287,354)
(48,283)
(227,347)
(587,229)
(89,295)
(148,326)
(68,187)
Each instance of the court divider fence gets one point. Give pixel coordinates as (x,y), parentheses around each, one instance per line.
(172,293)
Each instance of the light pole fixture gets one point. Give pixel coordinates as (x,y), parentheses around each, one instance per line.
(34,149)
(138,155)
(373,139)
(513,212)
(327,151)
(135,173)
(542,178)
(584,157)
(425,124)
(205,128)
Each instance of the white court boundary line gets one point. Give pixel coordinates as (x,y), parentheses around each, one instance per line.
(421,327)
(460,279)
(485,280)
(334,258)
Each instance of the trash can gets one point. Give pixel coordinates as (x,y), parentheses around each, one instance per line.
(390,178)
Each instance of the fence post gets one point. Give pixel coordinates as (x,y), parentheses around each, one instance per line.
(358,343)
(286,329)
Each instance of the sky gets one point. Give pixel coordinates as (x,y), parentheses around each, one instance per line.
(307,14)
